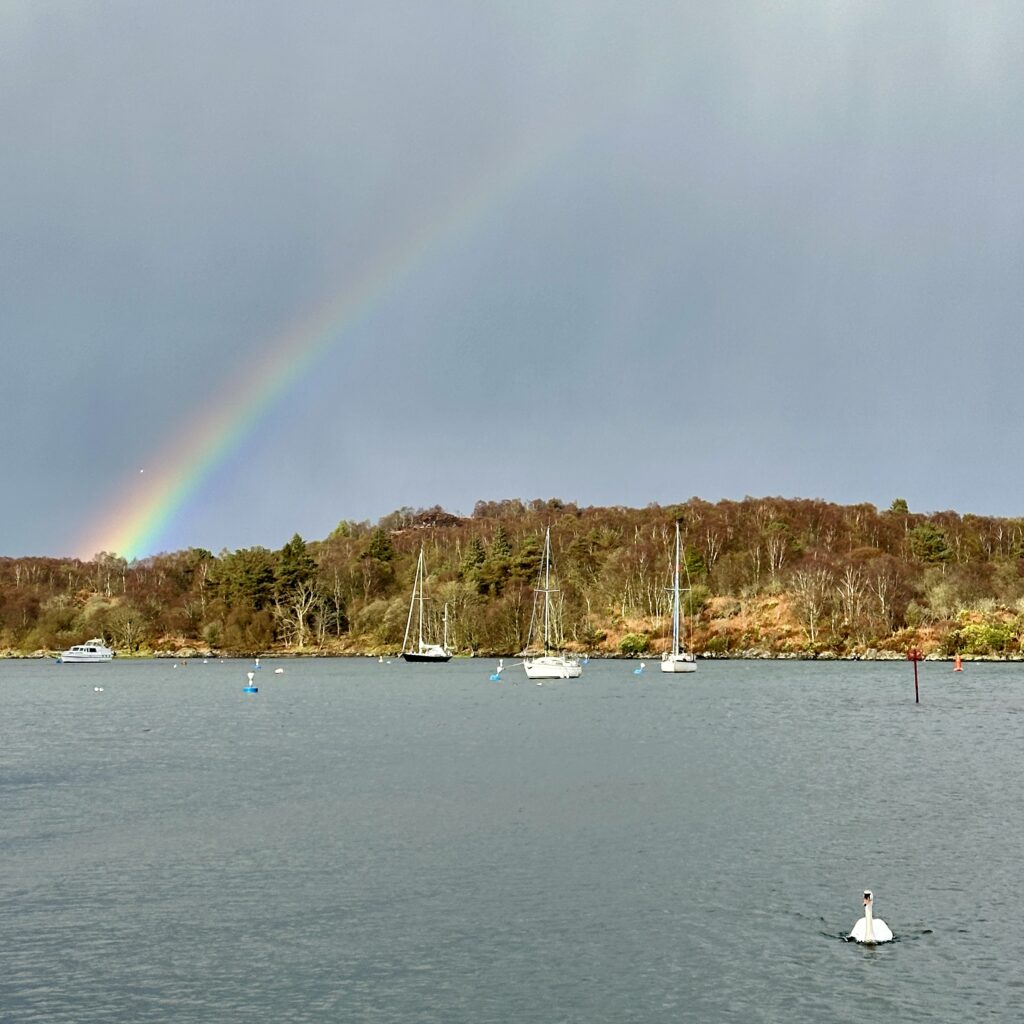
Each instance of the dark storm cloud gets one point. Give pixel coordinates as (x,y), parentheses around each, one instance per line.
(768,248)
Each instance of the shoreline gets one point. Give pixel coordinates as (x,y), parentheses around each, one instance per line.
(191,654)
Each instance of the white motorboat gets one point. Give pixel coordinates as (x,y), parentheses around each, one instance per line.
(547,665)
(677,659)
(423,651)
(90,651)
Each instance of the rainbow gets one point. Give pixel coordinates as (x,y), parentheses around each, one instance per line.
(139,517)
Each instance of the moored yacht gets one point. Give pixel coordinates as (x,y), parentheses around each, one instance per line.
(547,665)
(91,650)
(423,651)
(677,659)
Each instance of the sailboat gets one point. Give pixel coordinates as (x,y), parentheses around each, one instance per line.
(547,665)
(423,651)
(677,659)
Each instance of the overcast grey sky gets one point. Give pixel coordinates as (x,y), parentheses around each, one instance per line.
(752,248)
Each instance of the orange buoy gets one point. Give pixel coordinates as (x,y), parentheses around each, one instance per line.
(957,667)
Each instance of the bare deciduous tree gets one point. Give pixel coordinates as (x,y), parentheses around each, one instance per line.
(812,590)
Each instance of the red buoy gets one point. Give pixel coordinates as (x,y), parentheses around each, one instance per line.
(957,667)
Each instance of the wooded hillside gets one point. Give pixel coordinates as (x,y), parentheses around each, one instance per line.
(766,575)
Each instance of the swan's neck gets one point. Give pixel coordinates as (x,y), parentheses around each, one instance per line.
(869,931)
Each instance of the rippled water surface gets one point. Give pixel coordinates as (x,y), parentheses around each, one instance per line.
(373,842)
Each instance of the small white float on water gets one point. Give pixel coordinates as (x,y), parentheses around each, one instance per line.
(870,930)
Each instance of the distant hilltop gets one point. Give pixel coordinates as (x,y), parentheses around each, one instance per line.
(771,577)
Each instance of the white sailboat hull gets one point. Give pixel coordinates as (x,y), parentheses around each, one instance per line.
(552,666)
(678,663)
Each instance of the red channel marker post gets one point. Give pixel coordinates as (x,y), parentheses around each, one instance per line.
(915,656)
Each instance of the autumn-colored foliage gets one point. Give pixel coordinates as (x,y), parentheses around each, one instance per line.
(764,575)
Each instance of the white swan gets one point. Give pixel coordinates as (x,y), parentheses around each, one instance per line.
(869,929)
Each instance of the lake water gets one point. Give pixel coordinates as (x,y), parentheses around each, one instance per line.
(398,843)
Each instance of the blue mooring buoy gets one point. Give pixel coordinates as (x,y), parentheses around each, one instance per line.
(250,688)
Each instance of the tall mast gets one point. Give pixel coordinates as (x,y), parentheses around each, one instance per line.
(675,599)
(547,585)
(419,580)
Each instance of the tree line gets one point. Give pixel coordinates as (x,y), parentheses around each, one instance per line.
(769,575)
